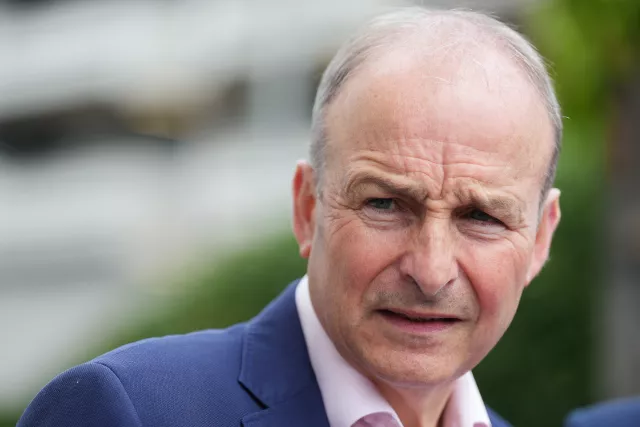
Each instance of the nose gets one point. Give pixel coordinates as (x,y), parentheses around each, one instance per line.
(430,260)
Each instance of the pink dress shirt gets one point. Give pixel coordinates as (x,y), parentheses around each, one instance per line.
(351,400)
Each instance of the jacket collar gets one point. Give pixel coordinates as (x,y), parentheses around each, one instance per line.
(276,369)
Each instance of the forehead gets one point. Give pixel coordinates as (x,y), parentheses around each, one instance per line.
(463,105)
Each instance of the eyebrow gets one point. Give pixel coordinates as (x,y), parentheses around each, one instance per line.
(389,185)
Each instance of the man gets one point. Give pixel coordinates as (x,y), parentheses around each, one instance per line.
(618,413)
(426,209)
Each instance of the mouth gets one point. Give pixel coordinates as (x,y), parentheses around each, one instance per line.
(419,322)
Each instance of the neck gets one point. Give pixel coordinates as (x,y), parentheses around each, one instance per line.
(417,407)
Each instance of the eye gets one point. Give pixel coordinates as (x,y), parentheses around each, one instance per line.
(381,204)
(480,216)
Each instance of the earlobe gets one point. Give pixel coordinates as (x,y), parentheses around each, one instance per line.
(548,223)
(304,203)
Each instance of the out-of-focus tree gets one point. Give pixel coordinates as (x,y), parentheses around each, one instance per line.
(594,46)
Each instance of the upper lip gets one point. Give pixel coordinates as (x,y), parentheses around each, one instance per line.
(422,314)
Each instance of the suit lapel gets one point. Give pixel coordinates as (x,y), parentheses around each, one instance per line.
(304,409)
(276,369)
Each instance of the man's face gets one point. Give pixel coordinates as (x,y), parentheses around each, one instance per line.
(429,223)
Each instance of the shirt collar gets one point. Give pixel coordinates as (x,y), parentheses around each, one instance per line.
(349,396)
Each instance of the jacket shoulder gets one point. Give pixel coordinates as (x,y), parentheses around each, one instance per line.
(619,413)
(203,350)
(176,380)
(86,392)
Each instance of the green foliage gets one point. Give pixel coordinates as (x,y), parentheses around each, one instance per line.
(592,45)
(9,420)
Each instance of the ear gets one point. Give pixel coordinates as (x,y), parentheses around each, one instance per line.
(304,204)
(547,226)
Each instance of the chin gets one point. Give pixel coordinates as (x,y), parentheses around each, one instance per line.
(411,369)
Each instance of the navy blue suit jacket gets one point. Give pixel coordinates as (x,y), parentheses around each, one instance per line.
(256,374)
(618,413)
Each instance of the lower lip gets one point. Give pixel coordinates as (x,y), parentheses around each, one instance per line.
(416,327)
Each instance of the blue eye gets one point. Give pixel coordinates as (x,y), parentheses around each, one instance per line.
(381,204)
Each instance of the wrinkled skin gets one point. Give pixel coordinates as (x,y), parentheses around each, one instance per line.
(430,201)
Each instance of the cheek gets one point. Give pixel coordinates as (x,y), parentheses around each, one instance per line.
(497,273)
(357,253)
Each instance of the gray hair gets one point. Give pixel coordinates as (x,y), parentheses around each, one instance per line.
(387,28)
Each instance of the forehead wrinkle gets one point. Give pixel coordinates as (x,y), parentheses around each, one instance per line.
(406,163)
(405,148)
(430,173)
(396,163)
(354,180)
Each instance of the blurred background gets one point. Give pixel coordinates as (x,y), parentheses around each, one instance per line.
(146,151)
